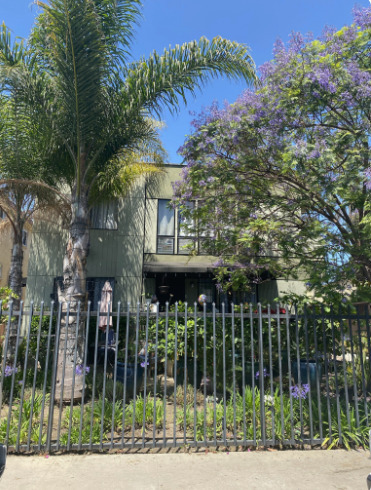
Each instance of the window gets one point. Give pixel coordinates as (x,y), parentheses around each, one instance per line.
(2,214)
(186,241)
(206,232)
(165,227)
(24,238)
(103,216)
(176,232)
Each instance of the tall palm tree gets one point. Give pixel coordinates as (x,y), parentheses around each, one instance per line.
(25,146)
(102,103)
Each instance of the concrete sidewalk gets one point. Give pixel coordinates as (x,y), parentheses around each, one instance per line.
(316,469)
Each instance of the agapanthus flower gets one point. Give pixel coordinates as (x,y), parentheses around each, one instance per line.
(265,373)
(9,370)
(268,399)
(297,392)
(80,370)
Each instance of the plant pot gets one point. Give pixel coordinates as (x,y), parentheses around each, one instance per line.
(130,374)
(315,369)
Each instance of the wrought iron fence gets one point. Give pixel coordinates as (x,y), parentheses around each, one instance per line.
(74,379)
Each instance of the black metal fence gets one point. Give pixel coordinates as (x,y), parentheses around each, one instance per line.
(183,377)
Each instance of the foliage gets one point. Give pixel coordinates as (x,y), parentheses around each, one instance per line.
(282,177)
(25,424)
(110,410)
(39,335)
(189,396)
(150,410)
(347,433)
(25,148)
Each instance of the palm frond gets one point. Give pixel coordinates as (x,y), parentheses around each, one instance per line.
(143,155)
(12,51)
(164,80)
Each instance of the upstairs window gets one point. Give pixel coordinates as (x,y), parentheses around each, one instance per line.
(103,216)
(24,238)
(186,234)
(165,227)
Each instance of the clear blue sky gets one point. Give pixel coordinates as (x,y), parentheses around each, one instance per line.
(257,23)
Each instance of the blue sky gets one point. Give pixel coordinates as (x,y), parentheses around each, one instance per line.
(257,23)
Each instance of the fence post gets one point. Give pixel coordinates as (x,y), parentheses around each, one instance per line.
(261,375)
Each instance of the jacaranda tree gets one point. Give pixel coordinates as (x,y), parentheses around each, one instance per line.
(282,176)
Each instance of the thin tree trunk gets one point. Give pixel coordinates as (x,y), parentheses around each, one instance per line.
(70,351)
(16,265)
(15,284)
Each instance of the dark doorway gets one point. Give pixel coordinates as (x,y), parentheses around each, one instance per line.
(170,288)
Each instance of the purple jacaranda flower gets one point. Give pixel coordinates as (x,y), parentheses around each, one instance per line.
(80,370)
(362,17)
(297,392)
(219,263)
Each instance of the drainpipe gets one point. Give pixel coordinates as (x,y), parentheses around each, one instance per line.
(144,234)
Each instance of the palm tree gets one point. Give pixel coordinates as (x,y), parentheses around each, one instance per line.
(25,146)
(102,103)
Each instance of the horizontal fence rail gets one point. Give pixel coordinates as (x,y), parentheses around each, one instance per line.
(136,377)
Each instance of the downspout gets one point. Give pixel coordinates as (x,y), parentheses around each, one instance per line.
(144,235)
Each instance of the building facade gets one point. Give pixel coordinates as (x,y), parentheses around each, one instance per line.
(138,244)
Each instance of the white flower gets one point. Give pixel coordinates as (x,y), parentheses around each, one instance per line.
(268,399)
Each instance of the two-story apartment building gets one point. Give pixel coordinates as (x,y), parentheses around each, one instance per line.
(139,245)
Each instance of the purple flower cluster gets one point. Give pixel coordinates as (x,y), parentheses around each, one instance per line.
(9,370)
(297,392)
(80,370)
(362,17)
(265,373)
(219,263)
(144,364)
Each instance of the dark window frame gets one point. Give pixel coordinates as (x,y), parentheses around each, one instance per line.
(169,237)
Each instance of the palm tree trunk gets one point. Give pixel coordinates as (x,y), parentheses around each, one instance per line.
(71,341)
(15,283)
(15,273)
